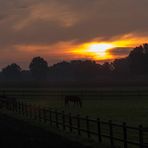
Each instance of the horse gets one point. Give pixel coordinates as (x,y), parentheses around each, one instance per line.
(73,99)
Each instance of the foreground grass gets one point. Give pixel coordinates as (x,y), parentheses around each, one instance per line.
(34,133)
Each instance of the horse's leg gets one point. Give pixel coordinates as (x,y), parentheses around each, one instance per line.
(66,102)
(73,101)
(80,102)
(76,102)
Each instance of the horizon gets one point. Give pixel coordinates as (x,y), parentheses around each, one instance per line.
(52,64)
(110,52)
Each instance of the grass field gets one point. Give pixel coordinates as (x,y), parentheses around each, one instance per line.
(129,105)
(119,105)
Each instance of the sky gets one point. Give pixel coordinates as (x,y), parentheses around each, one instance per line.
(58,30)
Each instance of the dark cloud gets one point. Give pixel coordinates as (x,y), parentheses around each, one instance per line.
(120,51)
(56,20)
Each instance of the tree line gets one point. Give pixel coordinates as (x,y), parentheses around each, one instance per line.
(134,66)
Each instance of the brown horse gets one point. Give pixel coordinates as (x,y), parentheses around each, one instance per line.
(73,99)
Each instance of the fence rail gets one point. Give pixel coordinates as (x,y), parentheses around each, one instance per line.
(116,134)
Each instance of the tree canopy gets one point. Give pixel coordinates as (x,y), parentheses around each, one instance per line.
(135,64)
(39,68)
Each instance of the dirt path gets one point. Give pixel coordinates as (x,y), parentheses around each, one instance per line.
(17,134)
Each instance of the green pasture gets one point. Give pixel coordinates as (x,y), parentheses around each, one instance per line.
(132,111)
(119,105)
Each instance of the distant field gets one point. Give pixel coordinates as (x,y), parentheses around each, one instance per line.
(119,104)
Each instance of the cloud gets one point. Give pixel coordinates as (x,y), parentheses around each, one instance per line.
(48,22)
(75,20)
(52,12)
(120,51)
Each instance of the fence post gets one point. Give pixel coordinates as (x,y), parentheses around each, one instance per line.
(7,105)
(125,134)
(141,136)
(39,114)
(19,107)
(70,122)
(87,126)
(15,106)
(22,108)
(35,112)
(63,117)
(11,106)
(30,111)
(78,124)
(99,130)
(111,133)
(4,93)
(50,117)
(57,121)
(26,110)
(44,115)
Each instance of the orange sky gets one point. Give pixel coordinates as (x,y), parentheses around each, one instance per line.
(96,49)
(60,30)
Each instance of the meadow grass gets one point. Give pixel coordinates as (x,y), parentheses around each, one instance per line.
(114,105)
(119,106)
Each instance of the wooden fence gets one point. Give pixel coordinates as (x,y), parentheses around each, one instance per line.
(103,131)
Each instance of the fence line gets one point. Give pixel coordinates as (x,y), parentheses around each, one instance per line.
(83,126)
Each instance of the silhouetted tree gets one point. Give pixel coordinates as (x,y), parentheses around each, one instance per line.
(145,48)
(137,60)
(60,71)
(136,63)
(75,70)
(121,67)
(12,72)
(26,75)
(145,66)
(107,69)
(83,70)
(39,68)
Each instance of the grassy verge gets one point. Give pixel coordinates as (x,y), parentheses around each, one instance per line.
(74,138)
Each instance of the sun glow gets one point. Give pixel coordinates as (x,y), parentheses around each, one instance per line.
(94,50)
(100,50)
(103,50)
